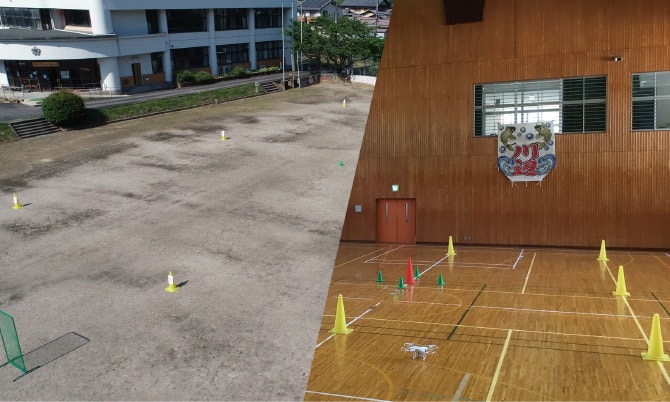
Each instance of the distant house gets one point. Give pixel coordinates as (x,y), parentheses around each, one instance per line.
(361,5)
(311,9)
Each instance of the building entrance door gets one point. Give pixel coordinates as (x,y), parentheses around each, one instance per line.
(137,74)
(396,221)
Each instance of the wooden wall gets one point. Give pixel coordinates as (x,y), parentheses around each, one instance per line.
(612,185)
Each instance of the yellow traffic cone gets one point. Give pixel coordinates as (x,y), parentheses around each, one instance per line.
(223,135)
(17,204)
(450,248)
(171,285)
(340,319)
(603,253)
(655,350)
(344,103)
(621,284)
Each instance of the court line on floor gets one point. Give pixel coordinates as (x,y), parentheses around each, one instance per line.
(390,251)
(358,258)
(466,311)
(461,387)
(347,396)
(499,366)
(517,259)
(507,329)
(349,323)
(431,267)
(661,303)
(494,291)
(644,334)
(525,283)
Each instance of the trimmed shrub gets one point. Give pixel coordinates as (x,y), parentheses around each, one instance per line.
(238,72)
(62,107)
(185,76)
(203,77)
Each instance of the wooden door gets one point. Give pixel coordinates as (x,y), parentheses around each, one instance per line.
(137,74)
(396,221)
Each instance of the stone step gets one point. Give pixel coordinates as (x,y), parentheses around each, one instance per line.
(33,128)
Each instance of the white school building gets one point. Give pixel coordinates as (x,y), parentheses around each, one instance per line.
(119,44)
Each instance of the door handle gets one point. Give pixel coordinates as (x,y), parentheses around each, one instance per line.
(387,212)
(407,212)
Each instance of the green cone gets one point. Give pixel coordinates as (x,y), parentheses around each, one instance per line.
(440,280)
(417,275)
(401,284)
(380,279)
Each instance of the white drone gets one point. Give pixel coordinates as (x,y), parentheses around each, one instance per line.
(418,351)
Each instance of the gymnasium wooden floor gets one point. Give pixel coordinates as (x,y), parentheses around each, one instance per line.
(509,324)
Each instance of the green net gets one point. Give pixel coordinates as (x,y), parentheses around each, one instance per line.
(10,340)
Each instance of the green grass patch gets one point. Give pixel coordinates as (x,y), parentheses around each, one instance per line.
(96,116)
(7,134)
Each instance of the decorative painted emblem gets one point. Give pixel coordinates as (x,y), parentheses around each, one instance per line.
(530,154)
(36,51)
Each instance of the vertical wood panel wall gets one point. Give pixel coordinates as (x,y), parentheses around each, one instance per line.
(612,185)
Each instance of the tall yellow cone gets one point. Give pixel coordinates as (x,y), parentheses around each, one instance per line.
(340,319)
(450,248)
(171,285)
(17,204)
(344,103)
(603,253)
(223,135)
(621,284)
(655,350)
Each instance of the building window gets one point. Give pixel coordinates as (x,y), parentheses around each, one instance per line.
(152,22)
(268,18)
(269,50)
(192,57)
(180,21)
(235,53)
(651,101)
(30,18)
(230,18)
(79,18)
(574,105)
(157,62)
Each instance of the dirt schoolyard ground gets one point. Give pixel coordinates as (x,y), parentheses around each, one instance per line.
(248,226)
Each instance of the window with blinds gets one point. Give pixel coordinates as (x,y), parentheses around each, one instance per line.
(574,105)
(651,101)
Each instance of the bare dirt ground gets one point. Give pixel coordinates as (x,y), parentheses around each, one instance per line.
(249,226)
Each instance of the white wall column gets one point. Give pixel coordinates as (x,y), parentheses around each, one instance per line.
(167,60)
(211,30)
(251,17)
(109,74)
(3,74)
(101,18)
(162,21)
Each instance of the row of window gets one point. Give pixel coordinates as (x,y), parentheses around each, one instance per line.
(179,21)
(195,57)
(574,105)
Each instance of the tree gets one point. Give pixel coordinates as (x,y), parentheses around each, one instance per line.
(337,44)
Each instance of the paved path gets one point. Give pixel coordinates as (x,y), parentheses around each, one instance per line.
(11,112)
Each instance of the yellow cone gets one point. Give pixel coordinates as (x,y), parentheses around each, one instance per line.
(450,248)
(603,253)
(621,284)
(655,351)
(223,135)
(344,103)
(17,204)
(340,319)
(171,285)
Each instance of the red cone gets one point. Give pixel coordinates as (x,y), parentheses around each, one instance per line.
(409,277)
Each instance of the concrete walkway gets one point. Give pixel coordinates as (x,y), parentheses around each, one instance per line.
(27,110)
